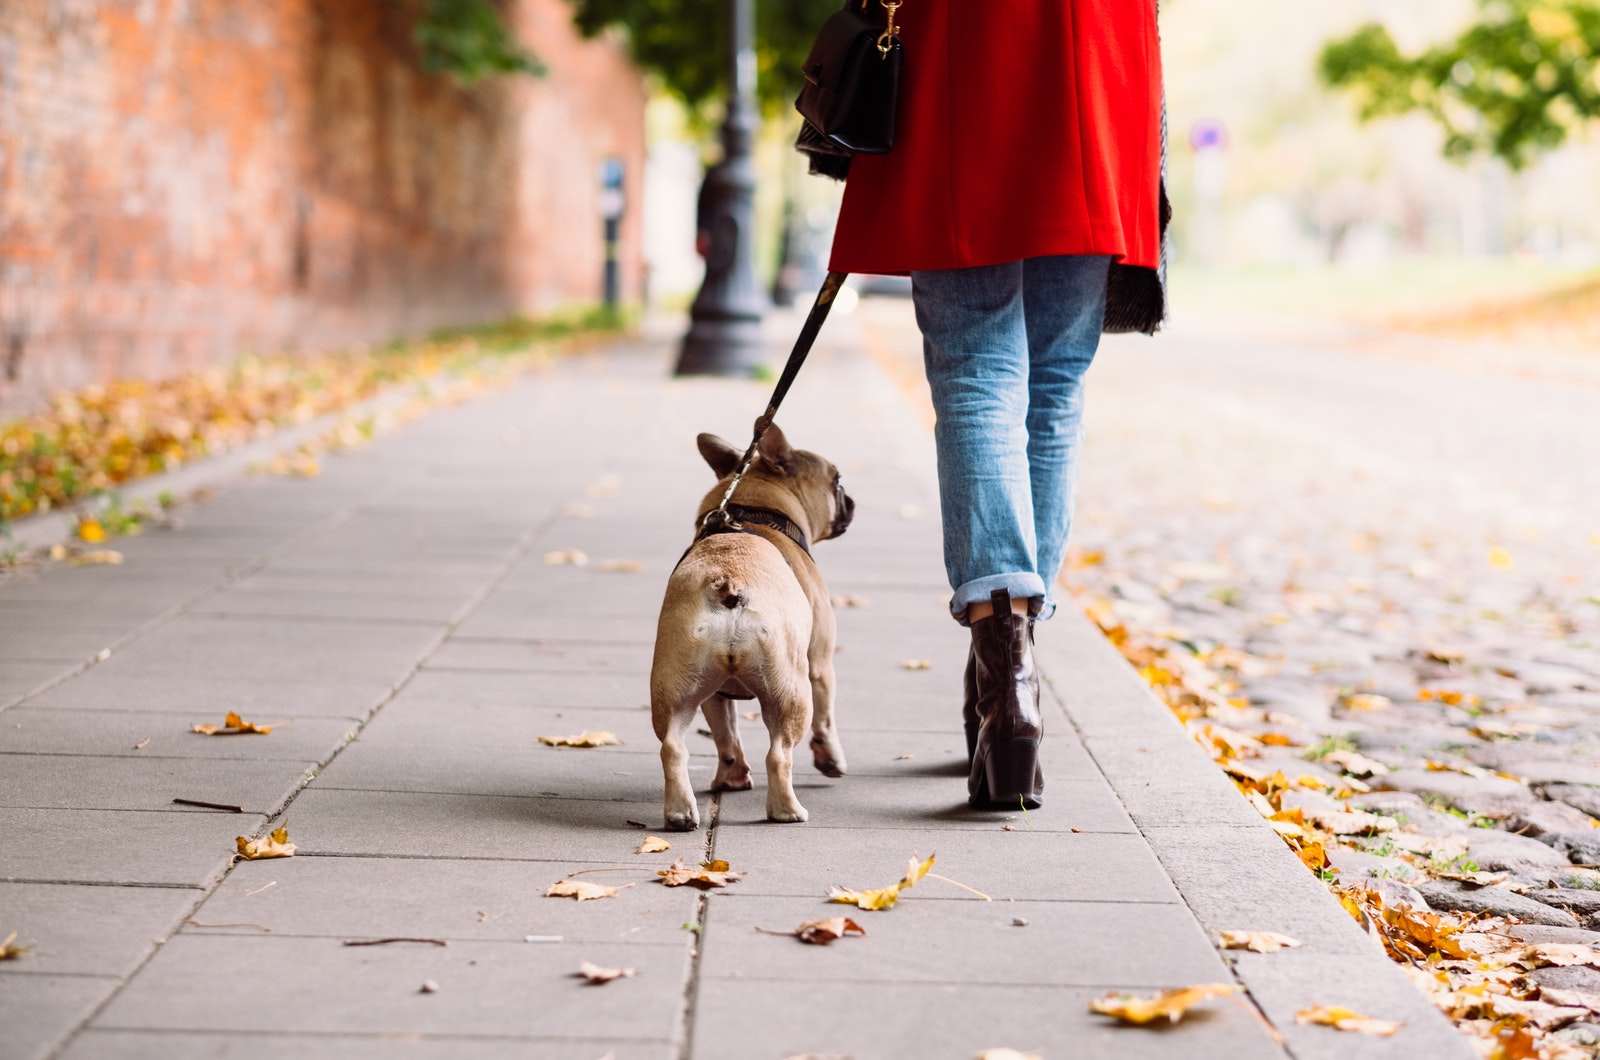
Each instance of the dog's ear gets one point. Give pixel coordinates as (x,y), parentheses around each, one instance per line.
(722,457)
(775,451)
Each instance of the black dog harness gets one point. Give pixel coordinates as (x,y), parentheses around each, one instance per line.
(733,519)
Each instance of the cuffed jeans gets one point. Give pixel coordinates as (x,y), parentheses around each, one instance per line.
(1006,348)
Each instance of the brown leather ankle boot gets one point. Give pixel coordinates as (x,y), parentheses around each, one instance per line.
(1005,760)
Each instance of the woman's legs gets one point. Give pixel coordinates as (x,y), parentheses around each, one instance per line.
(1064,302)
(1006,347)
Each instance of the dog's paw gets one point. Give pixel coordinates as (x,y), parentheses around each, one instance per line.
(681,822)
(829,761)
(733,783)
(795,814)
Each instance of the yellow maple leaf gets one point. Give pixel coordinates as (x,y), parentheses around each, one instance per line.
(276,845)
(1258,941)
(883,897)
(599,738)
(232,725)
(653,844)
(10,952)
(1341,1018)
(582,890)
(91,531)
(706,875)
(594,973)
(1170,1005)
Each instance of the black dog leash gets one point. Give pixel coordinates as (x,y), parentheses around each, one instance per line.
(720,518)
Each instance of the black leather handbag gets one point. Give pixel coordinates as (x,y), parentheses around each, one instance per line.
(852,87)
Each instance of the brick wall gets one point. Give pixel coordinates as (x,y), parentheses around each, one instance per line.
(183,181)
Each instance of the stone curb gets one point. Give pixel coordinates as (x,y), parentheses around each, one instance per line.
(1231,868)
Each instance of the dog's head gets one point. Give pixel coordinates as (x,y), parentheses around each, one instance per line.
(798,483)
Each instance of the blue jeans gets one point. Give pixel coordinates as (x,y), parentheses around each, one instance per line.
(1006,348)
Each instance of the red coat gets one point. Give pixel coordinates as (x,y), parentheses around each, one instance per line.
(1027,128)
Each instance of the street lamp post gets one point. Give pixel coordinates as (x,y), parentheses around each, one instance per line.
(725,331)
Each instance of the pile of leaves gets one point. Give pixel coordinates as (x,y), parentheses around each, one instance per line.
(1473,968)
(87,443)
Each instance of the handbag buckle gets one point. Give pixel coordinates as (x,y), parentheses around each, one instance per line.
(886,40)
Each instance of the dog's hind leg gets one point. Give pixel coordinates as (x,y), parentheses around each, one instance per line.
(787,712)
(827,753)
(733,772)
(672,719)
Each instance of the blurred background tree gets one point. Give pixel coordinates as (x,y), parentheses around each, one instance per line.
(1515,84)
(470,40)
(684,42)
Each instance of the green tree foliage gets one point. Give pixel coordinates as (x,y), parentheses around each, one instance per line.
(685,41)
(1516,83)
(469,39)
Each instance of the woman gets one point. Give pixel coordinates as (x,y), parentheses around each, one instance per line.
(1024,198)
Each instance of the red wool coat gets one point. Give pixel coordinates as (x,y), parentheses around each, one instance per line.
(1027,128)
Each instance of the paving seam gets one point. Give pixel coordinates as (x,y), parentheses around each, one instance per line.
(150,625)
(517,552)
(691,984)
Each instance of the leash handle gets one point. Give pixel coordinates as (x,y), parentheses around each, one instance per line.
(797,357)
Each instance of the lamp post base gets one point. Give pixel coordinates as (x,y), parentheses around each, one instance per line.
(731,346)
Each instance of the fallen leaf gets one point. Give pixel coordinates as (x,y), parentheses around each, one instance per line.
(1561,954)
(1170,1005)
(232,725)
(619,565)
(851,601)
(582,890)
(916,664)
(276,845)
(1258,941)
(706,875)
(599,738)
(570,557)
(821,932)
(91,531)
(1341,1018)
(428,987)
(1007,1054)
(97,557)
(9,951)
(653,844)
(1499,558)
(883,897)
(1354,764)
(1364,701)
(596,974)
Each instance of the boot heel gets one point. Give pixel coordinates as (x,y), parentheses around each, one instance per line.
(1013,775)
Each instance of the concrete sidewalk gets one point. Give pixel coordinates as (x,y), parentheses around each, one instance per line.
(399,615)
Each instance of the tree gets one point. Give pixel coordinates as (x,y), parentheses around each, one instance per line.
(1516,83)
(469,39)
(685,41)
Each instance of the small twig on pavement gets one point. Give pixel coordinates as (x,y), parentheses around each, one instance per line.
(385,942)
(208,805)
(964,887)
(258,927)
(258,890)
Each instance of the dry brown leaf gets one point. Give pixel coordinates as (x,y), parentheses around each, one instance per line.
(596,974)
(1170,1005)
(1341,1018)
(851,601)
(822,932)
(706,875)
(883,897)
(95,557)
(1354,764)
(653,844)
(9,951)
(1560,954)
(619,566)
(276,845)
(232,725)
(582,890)
(1007,1054)
(1258,941)
(916,664)
(599,738)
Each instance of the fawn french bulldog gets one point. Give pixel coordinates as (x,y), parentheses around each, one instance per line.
(747,615)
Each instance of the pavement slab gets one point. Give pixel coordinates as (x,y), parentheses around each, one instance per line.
(398,618)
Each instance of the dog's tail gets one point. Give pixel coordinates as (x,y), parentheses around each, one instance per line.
(727,594)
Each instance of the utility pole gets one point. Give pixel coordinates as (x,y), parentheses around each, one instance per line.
(725,331)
